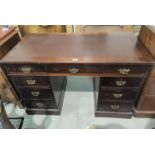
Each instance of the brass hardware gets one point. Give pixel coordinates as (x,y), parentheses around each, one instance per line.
(39,104)
(124,71)
(31,82)
(26,69)
(73,70)
(35,93)
(117,95)
(120,83)
(114,107)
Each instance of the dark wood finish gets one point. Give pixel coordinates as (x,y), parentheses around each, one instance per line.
(147,37)
(117,95)
(35,93)
(79,48)
(11,41)
(77,69)
(36,96)
(113,114)
(59,92)
(42,111)
(114,58)
(118,106)
(146,105)
(24,68)
(28,81)
(8,39)
(111,98)
(120,82)
(144,113)
(146,102)
(40,104)
(96,68)
(38,99)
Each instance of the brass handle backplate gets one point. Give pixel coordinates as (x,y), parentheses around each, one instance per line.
(124,71)
(73,70)
(115,107)
(26,69)
(35,93)
(117,95)
(39,104)
(31,82)
(120,83)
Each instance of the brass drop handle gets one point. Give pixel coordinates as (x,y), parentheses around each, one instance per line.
(73,70)
(35,93)
(115,107)
(31,82)
(120,83)
(117,95)
(26,69)
(39,104)
(124,71)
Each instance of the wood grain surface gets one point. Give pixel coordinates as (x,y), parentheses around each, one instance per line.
(79,48)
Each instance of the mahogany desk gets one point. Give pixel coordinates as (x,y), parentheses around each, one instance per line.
(38,65)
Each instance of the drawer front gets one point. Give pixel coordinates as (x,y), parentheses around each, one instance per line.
(77,68)
(115,106)
(74,68)
(126,69)
(30,80)
(89,68)
(35,93)
(117,95)
(25,68)
(120,82)
(40,104)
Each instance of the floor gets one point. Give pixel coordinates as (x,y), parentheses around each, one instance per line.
(78,112)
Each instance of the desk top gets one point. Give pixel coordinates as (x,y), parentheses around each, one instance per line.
(79,48)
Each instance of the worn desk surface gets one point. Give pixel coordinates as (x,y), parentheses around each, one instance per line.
(79,48)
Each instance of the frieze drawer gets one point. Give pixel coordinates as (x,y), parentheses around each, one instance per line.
(23,68)
(98,68)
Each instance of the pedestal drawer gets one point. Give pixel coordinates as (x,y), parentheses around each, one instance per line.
(35,93)
(123,94)
(30,80)
(40,104)
(120,82)
(115,106)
